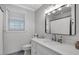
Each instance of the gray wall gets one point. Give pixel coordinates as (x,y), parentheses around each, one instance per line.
(40,26)
(1,32)
(13,41)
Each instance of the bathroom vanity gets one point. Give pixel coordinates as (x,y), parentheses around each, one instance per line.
(48,47)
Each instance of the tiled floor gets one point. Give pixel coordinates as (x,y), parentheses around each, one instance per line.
(20,53)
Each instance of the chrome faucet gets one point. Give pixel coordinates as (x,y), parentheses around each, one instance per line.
(60,39)
(54,38)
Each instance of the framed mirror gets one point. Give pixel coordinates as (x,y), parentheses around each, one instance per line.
(61,20)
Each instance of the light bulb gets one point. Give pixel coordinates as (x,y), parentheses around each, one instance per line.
(59,9)
(49,13)
(53,11)
(68,5)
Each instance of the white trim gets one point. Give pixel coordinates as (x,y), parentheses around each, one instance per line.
(18,5)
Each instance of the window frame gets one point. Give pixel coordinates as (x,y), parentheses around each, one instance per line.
(14,30)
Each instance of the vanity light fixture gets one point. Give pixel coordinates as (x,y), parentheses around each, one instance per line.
(59,9)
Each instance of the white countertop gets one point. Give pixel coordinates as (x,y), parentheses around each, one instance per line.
(64,49)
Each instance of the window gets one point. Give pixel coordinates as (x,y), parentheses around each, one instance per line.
(16,22)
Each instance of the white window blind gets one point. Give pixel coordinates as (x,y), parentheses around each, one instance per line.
(16,21)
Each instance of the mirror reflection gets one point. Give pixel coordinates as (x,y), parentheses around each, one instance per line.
(61,20)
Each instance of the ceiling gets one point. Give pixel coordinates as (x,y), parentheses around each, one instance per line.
(32,7)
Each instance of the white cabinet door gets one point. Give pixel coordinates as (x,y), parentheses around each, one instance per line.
(38,49)
(1,34)
(33,48)
(42,50)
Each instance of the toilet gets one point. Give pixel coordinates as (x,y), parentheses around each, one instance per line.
(25,48)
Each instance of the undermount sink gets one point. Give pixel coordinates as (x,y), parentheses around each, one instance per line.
(49,41)
(46,40)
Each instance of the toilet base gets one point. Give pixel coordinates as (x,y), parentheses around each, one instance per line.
(27,52)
